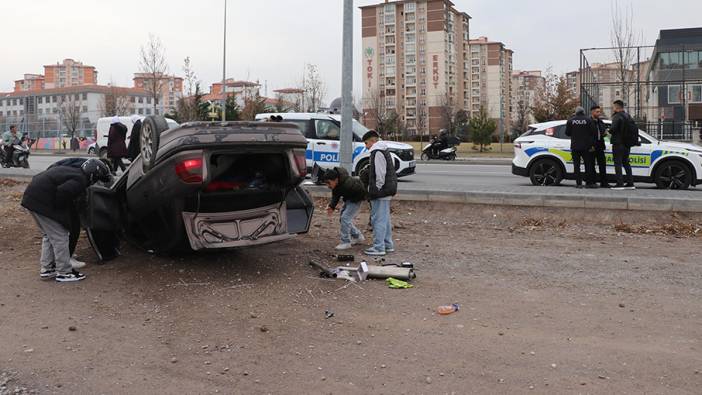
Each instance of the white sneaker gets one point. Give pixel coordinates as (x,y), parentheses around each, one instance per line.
(76,264)
(358,240)
(343,246)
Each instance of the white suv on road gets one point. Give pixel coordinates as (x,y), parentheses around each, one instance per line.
(543,154)
(323,131)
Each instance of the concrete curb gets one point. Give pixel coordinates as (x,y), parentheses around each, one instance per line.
(539,200)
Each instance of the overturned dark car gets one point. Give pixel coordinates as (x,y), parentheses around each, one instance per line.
(204,185)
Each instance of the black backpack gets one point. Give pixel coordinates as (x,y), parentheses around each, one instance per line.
(631,135)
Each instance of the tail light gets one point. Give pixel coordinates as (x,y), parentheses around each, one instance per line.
(300,161)
(190,170)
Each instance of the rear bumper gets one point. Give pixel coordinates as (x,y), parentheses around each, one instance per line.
(238,228)
(520,171)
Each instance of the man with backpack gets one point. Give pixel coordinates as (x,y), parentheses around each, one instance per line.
(625,134)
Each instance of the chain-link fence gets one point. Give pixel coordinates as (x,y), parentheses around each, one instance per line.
(661,89)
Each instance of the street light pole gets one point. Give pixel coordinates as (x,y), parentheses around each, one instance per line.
(224,67)
(346,146)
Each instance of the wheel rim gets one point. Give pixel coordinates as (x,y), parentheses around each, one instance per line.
(146,138)
(545,174)
(673,176)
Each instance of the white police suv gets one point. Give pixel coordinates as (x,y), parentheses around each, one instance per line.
(543,154)
(323,132)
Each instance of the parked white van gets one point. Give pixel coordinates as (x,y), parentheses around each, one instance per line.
(103,128)
(323,131)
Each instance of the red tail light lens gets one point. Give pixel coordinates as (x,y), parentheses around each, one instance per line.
(300,162)
(190,170)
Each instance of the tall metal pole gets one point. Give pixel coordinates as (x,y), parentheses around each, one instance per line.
(224,67)
(346,146)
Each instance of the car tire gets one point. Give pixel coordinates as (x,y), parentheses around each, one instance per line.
(425,157)
(545,172)
(673,174)
(361,165)
(151,129)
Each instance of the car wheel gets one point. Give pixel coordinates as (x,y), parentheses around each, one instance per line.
(673,174)
(151,129)
(425,156)
(545,172)
(362,165)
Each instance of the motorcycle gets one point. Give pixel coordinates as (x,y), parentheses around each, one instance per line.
(439,150)
(20,156)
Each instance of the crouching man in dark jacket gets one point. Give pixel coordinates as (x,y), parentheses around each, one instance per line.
(354,193)
(49,198)
(382,186)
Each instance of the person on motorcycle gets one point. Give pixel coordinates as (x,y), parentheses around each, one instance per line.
(9,140)
(49,197)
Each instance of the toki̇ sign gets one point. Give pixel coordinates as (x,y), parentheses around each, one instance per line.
(435,70)
(369,65)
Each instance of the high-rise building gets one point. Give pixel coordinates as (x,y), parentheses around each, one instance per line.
(415,63)
(526,86)
(69,73)
(491,81)
(171,89)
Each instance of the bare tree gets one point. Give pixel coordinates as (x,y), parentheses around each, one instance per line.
(115,102)
(624,40)
(314,87)
(448,113)
(282,105)
(555,101)
(70,110)
(522,117)
(420,121)
(191,80)
(153,65)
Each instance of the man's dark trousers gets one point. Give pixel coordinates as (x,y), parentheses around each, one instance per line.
(589,159)
(621,159)
(601,160)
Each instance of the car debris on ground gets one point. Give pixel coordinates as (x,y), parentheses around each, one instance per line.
(402,272)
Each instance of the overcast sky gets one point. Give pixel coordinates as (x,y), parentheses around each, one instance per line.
(271,40)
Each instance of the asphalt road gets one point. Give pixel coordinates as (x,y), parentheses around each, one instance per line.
(462,178)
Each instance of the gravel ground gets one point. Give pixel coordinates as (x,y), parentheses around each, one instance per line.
(552,301)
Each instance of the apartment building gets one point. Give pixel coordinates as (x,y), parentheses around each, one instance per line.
(242,90)
(171,89)
(69,73)
(415,62)
(491,81)
(526,86)
(59,75)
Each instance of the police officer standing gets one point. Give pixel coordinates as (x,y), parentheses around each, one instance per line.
(583,137)
(600,158)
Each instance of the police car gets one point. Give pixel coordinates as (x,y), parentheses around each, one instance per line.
(323,132)
(543,154)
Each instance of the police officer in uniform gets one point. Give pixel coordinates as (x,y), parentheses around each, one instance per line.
(583,137)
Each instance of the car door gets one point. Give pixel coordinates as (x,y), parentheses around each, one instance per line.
(101,221)
(326,145)
(561,144)
(640,158)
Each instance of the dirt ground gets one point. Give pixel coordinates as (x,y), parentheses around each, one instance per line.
(554,302)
